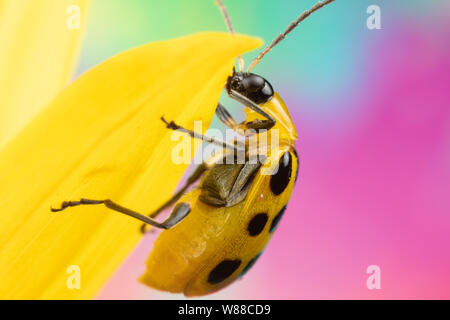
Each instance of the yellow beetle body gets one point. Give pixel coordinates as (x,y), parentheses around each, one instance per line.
(213,246)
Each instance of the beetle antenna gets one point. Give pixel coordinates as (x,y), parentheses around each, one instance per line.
(291,27)
(227,18)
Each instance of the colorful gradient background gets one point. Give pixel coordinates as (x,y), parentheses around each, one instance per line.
(373,111)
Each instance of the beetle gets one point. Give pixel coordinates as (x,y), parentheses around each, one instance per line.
(218,229)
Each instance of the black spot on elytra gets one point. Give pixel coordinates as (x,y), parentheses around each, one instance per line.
(277,219)
(223,270)
(298,165)
(280,180)
(250,264)
(257,224)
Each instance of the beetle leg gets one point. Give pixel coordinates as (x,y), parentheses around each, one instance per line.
(178,214)
(226,118)
(190,181)
(173,219)
(242,128)
(267,123)
(193,178)
(173,126)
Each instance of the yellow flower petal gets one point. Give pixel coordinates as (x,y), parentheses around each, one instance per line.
(102,137)
(38,54)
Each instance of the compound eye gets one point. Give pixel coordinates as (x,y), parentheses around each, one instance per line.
(234,84)
(253,83)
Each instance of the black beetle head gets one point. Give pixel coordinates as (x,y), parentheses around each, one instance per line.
(250,85)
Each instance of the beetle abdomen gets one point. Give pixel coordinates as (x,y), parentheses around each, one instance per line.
(215,245)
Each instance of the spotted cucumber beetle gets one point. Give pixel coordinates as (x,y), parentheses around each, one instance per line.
(218,229)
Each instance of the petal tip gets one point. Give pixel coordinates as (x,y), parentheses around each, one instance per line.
(244,42)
